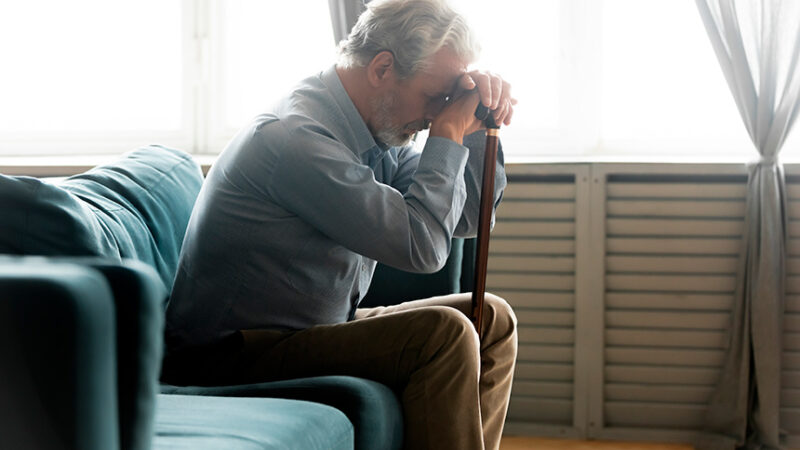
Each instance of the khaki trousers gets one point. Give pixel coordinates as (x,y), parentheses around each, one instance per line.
(454,388)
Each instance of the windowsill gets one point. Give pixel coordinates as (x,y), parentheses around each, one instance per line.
(625,159)
(59,166)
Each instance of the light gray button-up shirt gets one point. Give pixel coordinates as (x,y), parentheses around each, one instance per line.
(296,211)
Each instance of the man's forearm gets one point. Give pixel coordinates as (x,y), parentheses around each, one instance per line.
(447,130)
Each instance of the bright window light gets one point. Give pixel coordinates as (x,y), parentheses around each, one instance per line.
(90,66)
(267,48)
(791,147)
(520,41)
(662,88)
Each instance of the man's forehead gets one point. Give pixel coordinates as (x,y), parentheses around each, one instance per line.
(445,69)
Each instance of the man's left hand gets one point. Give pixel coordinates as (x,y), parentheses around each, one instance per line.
(495,93)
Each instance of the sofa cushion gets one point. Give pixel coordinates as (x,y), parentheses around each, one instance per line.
(42,219)
(197,423)
(372,407)
(135,208)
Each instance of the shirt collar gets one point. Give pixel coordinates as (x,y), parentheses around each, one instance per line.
(362,139)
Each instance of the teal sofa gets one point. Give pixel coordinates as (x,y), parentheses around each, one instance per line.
(81,350)
(82,326)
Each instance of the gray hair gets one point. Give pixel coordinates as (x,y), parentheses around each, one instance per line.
(413,30)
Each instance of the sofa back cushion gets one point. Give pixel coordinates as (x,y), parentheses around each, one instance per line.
(392,286)
(135,208)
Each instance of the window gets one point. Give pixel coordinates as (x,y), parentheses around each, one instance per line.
(663,91)
(609,77)
(593,77)
(525,42)
(90,75)
(264,48)
(531,64)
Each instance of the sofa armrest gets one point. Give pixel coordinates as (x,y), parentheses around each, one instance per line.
(57,357)
(139,298)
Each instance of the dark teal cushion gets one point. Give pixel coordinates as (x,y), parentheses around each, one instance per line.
(42,219)
(372,407)
(197,422)
(135,208)
(391,286)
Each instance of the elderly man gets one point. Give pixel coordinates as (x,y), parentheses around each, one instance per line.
(296,211)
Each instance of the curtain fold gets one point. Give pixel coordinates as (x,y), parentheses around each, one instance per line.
(757,43)
(344,14)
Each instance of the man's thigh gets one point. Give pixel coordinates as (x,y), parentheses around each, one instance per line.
(386,348)
(499,320)
(461,302)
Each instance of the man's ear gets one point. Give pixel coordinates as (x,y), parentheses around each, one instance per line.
(380,69)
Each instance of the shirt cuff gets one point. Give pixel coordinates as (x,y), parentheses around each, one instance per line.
(443,155)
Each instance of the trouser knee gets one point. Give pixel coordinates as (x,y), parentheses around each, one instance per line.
(501,313)
(450,329)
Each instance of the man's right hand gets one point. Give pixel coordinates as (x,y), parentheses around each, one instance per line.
(457,118)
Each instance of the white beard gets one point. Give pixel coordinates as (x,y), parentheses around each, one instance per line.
(385,129)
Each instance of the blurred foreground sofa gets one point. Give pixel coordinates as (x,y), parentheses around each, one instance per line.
(82,323)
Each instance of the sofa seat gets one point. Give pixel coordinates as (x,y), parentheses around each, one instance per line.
(198,422)
(371,406)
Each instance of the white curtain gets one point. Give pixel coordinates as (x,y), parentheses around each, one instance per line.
(757,43)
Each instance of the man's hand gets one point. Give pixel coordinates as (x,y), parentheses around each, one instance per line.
(457,119)
(495,94)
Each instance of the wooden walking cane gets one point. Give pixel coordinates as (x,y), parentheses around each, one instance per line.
(485,215)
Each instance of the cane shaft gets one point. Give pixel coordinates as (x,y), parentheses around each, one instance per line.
(484,225)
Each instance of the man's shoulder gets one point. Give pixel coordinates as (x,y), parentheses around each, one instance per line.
(290,128)
(306,109)
(309,121)
(309,100)
(295,139)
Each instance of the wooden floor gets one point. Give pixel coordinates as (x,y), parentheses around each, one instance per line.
(526,443)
